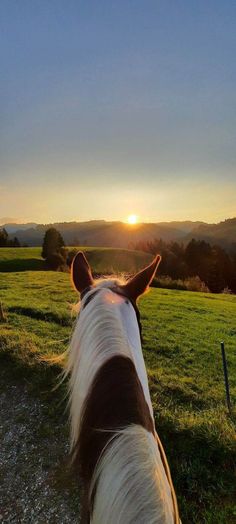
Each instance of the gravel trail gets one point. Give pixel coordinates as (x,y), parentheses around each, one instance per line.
(34,487)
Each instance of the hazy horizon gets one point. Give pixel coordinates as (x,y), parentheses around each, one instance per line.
(109,109)
(11,220)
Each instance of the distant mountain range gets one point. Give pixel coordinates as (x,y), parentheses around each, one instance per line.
(119,234)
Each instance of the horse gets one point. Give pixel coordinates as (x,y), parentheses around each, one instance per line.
(114,445)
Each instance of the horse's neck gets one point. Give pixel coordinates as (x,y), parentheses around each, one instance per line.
(97,338)
(132,335)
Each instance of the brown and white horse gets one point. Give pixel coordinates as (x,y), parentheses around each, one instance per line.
(114,444)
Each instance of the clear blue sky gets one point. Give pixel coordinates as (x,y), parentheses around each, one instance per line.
(117,107)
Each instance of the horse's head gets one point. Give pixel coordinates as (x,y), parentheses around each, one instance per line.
(132,289)
(112,292)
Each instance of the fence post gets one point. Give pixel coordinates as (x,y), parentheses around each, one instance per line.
(2,316)
(225,376)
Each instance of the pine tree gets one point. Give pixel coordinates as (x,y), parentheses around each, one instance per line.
(215,279)
(52,243)
(3,237)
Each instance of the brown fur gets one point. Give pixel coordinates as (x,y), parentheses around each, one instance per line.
(115,400)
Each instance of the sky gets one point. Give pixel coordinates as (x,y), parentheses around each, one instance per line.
(109,108)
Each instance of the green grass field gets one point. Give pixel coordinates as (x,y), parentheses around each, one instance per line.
(182,333)
(103,260)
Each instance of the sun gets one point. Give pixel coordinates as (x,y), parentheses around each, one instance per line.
(132,219)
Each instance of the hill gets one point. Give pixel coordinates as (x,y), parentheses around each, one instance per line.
(223,234)
(118,234)
(103,260)
(98,233)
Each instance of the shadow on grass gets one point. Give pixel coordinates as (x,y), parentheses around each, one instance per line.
(21,264)
(202,469)
(38,314)
(42,379)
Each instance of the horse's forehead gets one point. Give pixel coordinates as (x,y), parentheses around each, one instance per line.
(110,292)
(107,290)
(108,283)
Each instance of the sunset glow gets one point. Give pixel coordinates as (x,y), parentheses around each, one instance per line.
(132,219)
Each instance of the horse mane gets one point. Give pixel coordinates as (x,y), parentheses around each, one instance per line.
(133,466)
(113,441)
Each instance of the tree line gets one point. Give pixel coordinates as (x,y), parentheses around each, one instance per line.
(212,264)
(5,241)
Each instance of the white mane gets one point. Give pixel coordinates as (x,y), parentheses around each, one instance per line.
(98,336)
(140,491)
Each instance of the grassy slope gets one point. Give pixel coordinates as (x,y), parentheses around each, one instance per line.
(103,260)
(182,331)
(182,334)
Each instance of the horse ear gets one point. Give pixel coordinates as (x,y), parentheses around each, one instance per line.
(140,282)
(81,272)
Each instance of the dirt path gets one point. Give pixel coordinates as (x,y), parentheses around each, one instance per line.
(33,485)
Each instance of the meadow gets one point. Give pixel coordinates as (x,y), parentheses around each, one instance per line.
(182,333)
(104,260)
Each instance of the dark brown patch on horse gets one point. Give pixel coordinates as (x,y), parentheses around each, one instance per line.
(115,400)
